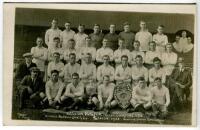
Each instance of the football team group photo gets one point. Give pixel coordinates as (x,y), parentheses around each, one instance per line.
(121,66)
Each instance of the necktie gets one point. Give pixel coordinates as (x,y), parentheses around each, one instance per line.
(33,81)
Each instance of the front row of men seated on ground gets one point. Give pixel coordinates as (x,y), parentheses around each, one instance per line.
(100,96)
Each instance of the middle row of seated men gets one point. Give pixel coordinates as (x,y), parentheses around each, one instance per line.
(122,73)
(76,95)
(169,58)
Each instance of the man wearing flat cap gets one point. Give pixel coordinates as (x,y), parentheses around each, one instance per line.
(23,69)
(32,88)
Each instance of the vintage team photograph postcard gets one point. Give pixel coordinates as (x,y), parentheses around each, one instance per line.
(85,64)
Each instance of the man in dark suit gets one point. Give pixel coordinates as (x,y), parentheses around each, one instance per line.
(31,88)
(112,37)
(24,68)
(179,83)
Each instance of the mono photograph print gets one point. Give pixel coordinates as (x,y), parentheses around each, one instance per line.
(131,64)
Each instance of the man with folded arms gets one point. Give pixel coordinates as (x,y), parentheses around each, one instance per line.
(105,95)
(139,71)
(156,71)
(70,68)
(160,98)
(105,69)
(120,51)
(169,59)
(39,55)
(87,70)
(56,64)
(161,39)
(123,71)
(104,50)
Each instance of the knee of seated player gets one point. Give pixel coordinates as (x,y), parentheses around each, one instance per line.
(95,100)
(42,95)
(147,105)
(77,99)
(50,103)
(113,103)
(106,106)
(23,90)
(80,98)
(62,98)
(133,102)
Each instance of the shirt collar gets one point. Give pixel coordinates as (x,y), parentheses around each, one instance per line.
(76,85)
(146,30)
(54,29)
(28,64)
(68,31)
(124,68)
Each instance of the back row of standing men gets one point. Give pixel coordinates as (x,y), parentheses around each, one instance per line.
(143,36)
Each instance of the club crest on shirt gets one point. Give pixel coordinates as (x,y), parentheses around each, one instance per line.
(123,94)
